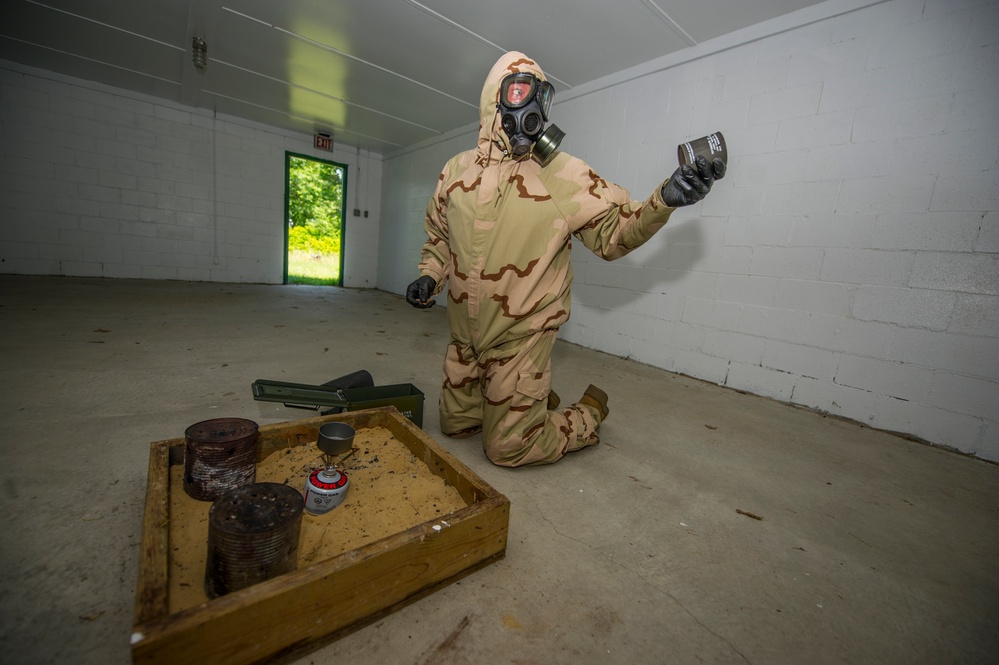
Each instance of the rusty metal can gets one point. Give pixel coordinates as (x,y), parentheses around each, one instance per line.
(325,490)
(253,534)
(219,455)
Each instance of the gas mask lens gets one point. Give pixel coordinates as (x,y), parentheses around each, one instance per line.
(517,90)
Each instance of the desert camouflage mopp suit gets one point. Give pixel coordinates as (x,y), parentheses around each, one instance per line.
(499,230)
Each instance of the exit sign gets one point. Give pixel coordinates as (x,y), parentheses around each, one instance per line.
(324,142)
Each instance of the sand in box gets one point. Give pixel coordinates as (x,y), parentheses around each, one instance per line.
(390,491)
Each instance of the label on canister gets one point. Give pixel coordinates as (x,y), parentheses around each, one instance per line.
(325,490)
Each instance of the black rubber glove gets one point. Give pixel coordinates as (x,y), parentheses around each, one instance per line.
(418,293)
(688,185)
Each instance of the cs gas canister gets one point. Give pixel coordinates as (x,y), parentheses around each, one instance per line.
(327,487)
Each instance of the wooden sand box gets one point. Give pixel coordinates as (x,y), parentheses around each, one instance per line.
(414,520)
(390,491)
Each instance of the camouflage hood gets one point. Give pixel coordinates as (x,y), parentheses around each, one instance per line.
(493,144)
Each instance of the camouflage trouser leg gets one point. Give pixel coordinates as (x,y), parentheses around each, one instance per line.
(505,390)
(461,392)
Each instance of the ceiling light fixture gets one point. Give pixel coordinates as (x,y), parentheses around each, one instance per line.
(199,51)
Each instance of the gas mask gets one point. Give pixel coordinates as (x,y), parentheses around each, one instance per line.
(524,104)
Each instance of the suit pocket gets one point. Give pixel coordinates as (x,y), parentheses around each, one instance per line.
(536,385)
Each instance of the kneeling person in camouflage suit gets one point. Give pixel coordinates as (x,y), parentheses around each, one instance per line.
(499,227)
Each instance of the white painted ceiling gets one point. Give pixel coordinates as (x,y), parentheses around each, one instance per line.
(381,74)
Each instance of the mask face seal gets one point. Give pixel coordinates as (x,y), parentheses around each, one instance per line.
(524,104)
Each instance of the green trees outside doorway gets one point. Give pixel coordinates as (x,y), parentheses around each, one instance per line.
(315,208)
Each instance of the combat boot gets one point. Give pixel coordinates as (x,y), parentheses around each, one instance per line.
(596,399)
(553,400)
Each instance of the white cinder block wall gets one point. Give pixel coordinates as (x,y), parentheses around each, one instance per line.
(850,260)
(97,181)
(410,180)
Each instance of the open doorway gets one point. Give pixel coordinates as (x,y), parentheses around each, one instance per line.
(314,220)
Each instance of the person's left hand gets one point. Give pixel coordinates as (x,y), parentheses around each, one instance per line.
(688,185)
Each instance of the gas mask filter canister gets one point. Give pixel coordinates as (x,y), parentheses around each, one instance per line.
(524,105)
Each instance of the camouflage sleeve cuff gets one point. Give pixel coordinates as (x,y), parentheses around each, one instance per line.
(435,275)
(658,195)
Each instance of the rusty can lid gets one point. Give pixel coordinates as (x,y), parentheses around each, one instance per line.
(221,430)
(257,508)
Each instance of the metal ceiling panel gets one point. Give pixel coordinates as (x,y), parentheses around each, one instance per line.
(31,23)
(70,65)
(312,110)
(414,45)
(162,20)
(383,74)
(304,67)
(706,19)
(574,41)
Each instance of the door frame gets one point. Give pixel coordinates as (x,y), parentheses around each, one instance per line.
(287,201)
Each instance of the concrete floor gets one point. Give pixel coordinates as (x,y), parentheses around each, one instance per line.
(871,548)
